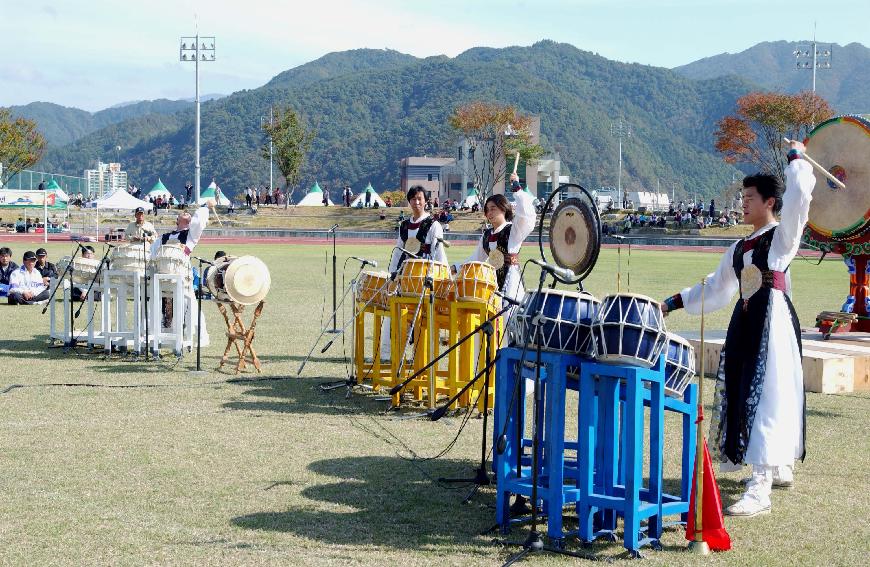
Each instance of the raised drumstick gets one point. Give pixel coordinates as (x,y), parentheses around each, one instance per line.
(821,169)
(516,162)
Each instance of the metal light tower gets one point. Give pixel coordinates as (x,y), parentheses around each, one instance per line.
(621,130)
(197,48)
(817,57)
(271,121)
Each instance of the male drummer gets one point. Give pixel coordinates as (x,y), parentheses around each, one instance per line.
(420,235)
(140,230)
(188,230)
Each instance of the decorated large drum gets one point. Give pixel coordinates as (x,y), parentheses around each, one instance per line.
(130,258)
(629,329)
(565,321)
(679,365)
(476,282)
(83,269)
(842,146)
(171,259)
(244,280)
(375,288)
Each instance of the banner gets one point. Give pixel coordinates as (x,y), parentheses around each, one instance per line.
(10,198)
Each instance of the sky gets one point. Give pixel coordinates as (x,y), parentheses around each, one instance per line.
(97,53)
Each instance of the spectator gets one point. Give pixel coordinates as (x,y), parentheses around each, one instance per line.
(249,196)
(257,196)
(276,196)
(712,209)
(388,201)
(347,195)
(188,192)
(41,186)
(7,266)
(46,268)
(26,286)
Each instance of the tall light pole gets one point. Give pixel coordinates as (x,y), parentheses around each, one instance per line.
(197,48)
(271,121)
(816,57)
(621,130)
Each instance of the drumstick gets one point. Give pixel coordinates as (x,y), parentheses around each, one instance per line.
(821,169)
(516,162)
(214,212)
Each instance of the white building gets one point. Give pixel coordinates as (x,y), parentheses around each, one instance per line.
(104,179)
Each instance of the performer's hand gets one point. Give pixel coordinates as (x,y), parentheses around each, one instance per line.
(664,308)
(210,203)
(515,177)
(795,145)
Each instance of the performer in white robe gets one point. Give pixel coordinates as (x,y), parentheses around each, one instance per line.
(760,390)
(501,244)
(419,235)
(188,231)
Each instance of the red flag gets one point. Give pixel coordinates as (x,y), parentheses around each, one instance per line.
(713,527)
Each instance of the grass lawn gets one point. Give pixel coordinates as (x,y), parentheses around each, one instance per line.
(156,466)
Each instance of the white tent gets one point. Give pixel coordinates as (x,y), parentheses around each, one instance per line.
(360,200)
(118,200)
(314,198)
(213,191)
(471,199)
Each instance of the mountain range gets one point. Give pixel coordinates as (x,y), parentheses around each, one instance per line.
(371,108)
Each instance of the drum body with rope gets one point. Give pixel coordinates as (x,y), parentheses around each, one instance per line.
(679,365)
(477,282)
(566,319)
(375,288)
(130,257)
(244,280)
(83,269)
(629,329)
(413,274)
(171,259)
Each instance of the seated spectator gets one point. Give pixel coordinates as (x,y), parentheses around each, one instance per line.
(7,266)
(25,284)
(388,201)
(46,268)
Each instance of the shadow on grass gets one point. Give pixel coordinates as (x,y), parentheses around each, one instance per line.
(380,501)
(303,396)
(36,346)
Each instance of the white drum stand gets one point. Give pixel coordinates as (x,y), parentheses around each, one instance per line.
(118,329)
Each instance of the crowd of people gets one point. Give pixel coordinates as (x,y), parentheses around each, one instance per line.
(691,215)
(256,196)
(28,283)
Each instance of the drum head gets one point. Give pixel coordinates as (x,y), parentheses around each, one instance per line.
(575,236)
(842,146)
(247,280)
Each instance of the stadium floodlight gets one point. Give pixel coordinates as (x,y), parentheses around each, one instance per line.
(197,48)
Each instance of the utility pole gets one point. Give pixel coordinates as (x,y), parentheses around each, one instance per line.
(818,57)
(621,130)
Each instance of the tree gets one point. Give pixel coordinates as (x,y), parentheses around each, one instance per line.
(292,141)
(754,134)
(21,145)
(492,131)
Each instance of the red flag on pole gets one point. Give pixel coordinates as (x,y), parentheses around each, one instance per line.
(713,522)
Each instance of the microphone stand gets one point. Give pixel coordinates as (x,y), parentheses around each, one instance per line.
(147,315)
(199,369)
(334,260)
(68,269)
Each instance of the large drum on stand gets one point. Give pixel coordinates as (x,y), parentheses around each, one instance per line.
(839,219)
(172,259)
(375,288)
(629,328)
(565,321)
(83,269)
(130,257)
(244,280)
(413,275)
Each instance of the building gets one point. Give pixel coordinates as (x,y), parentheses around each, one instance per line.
(425,171)
(107,177)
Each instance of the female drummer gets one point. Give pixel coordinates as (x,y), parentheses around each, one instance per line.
(500,245)
(760,380)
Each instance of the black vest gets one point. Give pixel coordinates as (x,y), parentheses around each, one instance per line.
(182,236)
(501,244)
(423,228)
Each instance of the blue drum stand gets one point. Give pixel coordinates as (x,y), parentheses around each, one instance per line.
(534,543)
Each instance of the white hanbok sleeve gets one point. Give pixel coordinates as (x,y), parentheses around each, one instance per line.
(155,246)
(799,183)
(721,287)
(523,221)
(439,250)
(197,225)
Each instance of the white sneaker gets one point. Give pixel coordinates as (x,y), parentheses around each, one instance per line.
(747,507)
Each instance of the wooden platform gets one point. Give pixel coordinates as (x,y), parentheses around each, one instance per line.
(840,364)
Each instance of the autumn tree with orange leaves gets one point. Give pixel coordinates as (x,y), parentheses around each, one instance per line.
(754,134)
(493,131)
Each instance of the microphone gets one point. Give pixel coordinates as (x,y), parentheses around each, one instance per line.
(438,413)
(409,253)
(203,260)
(333,228)
(617,237)
(561,273)
(364,262)
(443,242)
(508,299)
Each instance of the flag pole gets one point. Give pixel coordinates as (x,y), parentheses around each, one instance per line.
(698,545)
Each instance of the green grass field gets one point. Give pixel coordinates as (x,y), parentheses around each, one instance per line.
(151,465)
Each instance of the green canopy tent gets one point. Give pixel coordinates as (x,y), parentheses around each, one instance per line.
(159,190)
(314,198)
(373,197)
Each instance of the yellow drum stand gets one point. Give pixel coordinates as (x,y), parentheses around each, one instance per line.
(464,317)
(378,372)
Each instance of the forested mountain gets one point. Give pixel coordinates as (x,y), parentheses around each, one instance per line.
(62,125)
(772,65)
(371,108)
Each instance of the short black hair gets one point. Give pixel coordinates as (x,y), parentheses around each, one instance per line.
(219,254)
(5,250)
(89,248)
(768,186)
(412,192)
